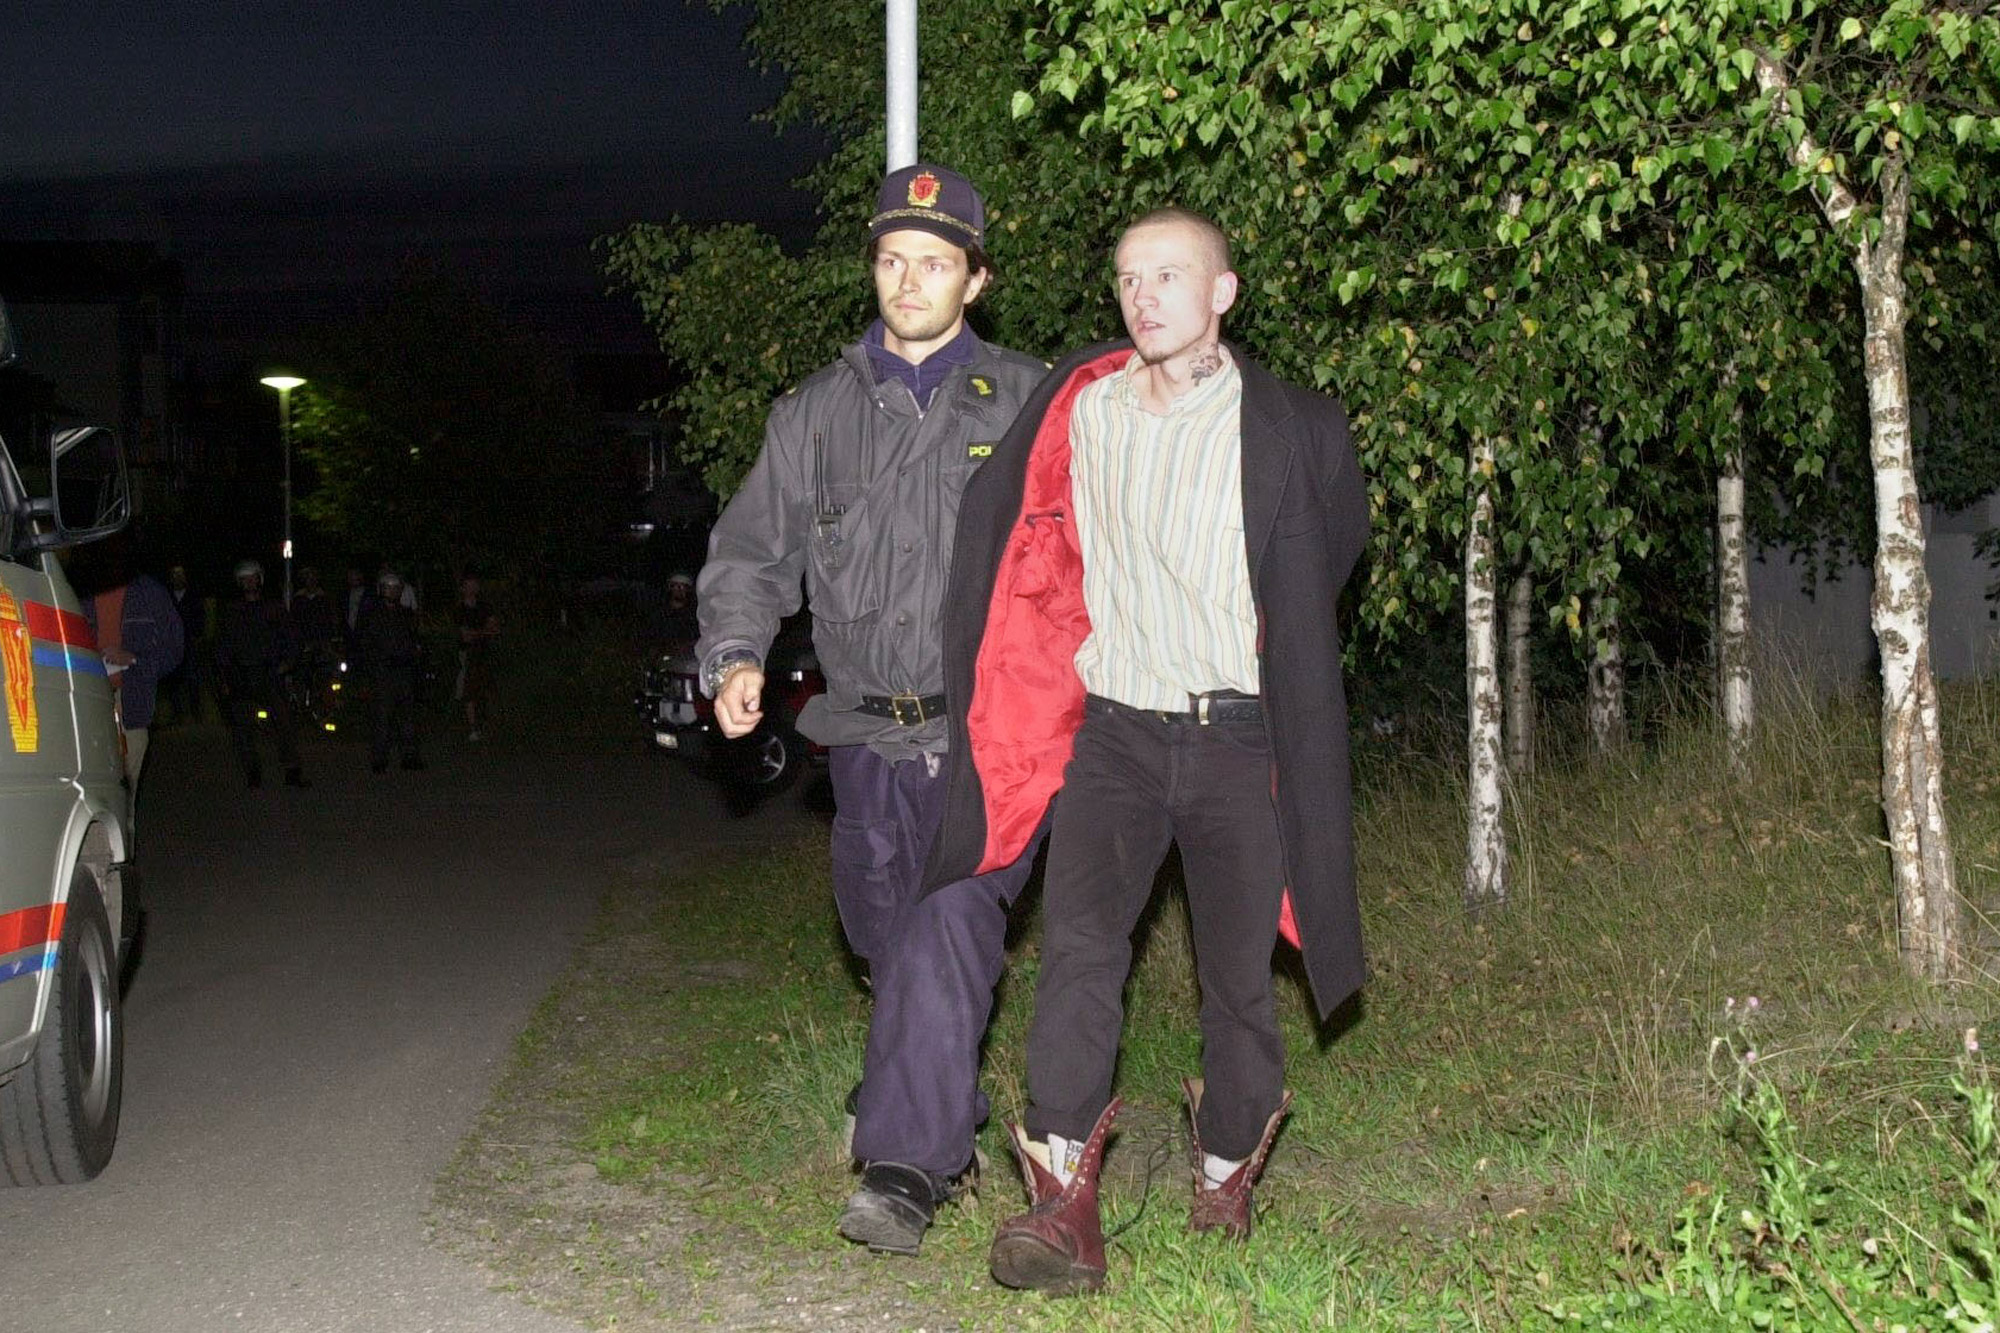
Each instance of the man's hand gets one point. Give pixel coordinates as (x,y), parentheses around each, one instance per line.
(739,704)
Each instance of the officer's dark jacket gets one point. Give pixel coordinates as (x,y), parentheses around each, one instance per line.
(253,640)
(1015,618)
(857,492)
(386,640)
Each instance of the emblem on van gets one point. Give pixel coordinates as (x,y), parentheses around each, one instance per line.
(18,667)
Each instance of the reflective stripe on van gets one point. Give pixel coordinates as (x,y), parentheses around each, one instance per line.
(34,930)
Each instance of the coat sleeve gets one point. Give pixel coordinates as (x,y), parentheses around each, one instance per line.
(757,549)
(1344,493)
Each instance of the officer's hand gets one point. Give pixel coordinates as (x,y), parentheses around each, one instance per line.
(739,704)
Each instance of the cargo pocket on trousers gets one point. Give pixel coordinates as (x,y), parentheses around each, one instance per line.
(866,881)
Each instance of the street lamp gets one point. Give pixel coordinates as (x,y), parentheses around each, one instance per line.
(284,382)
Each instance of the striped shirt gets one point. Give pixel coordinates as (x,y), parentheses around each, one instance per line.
(1159,517)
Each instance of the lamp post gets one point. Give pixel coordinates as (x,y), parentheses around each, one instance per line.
(284,382)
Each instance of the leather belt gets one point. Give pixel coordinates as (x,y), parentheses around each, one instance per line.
(906,710)
(1213,706)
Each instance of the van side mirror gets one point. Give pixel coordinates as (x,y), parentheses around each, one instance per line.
(90,495)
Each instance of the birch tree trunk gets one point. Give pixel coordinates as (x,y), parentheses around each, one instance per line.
(1486,840)
(1604,690)
(1732,620)
(1604,702)
(1920,858)
(1520,677)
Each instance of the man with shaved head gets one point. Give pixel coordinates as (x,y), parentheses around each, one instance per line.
(1141,629)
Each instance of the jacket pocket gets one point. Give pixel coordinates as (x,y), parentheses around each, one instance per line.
(843,583)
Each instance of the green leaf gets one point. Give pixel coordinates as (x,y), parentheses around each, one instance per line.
(1023,104)
(1850,28)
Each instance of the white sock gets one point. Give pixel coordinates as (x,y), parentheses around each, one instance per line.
(1215,1170)
(1064,1156)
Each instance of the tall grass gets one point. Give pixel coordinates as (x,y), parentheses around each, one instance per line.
(1519,1121)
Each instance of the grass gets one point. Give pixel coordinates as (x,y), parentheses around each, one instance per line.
(1523,1121)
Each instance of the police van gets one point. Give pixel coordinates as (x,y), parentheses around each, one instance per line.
(65,812)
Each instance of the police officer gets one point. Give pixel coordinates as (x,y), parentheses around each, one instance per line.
(254,647)
(857,491)
(389,655)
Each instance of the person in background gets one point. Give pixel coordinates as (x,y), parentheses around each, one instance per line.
(388,656)
(139,636)
(680,625)
(477,627)
(254,648)
(316,620)
(856,490)
(181,687)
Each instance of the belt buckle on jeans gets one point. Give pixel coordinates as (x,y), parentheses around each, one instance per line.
(916,705)
(1199,707)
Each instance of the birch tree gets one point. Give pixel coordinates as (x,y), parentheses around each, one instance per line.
(1486,843)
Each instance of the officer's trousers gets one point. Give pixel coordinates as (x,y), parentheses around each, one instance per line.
(392,715)
(932,961)
(249,693)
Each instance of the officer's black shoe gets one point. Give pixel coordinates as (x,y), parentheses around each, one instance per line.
(414,763)
(296,777)
(893,1208)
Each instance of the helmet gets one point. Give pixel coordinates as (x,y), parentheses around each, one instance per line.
(388,581)
(680,576)
(249,569)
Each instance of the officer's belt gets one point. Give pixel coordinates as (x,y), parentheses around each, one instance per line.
(908,710)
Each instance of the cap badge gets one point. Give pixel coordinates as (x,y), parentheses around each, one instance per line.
(924,189)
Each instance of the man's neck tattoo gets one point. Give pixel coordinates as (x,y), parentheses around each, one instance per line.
(1206,362)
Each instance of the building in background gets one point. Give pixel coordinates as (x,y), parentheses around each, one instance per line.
(103,337)
(1821,626)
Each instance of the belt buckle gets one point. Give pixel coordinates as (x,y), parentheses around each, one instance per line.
(916,704)
(1199,707)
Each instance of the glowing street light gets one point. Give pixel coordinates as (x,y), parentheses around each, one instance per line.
(284,382)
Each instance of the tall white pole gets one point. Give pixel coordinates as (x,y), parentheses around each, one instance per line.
(902,70)
(285,417)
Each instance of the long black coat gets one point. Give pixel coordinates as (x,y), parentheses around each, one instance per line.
(1015,616)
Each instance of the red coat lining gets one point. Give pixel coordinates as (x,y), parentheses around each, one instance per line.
(1027,700)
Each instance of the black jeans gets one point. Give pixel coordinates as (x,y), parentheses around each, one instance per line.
(1134,784)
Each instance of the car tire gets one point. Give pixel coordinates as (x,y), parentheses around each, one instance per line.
(776,759)
(59,1114)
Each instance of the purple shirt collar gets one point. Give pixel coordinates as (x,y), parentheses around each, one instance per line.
(922,379)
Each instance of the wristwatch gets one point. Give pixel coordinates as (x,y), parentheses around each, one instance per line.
(718,670)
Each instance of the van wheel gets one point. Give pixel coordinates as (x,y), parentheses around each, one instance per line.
(59,1114)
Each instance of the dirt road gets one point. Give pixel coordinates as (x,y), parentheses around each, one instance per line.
(328,981)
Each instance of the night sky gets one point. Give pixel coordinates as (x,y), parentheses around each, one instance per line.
(289,156)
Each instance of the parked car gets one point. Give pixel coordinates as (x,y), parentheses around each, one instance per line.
(681,720)
(68,908)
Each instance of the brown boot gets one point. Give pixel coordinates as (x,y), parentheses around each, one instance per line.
(1227,1207)
(1057,1246)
